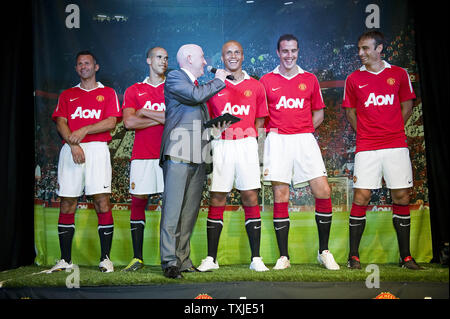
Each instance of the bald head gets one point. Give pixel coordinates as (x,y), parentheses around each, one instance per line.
(230,43)
(232,56)
(191,57)
(185,51)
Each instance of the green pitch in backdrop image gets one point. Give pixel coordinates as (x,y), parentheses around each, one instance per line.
(378,244)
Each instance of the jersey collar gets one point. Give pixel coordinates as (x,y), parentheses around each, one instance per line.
(386,65)
(277,71)
(99,86)
(246,77)
(147,81)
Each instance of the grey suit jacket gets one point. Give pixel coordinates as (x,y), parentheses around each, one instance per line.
(186,112)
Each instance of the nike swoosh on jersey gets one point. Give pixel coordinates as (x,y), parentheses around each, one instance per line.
(275,89)
(361,86)
(218,94)
(140,94)
(71,100)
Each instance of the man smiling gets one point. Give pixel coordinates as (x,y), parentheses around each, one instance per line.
(235,155)
(84,117)
(182,157)
(291,152)
(378,100)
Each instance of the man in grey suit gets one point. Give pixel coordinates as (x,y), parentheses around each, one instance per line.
(182,156)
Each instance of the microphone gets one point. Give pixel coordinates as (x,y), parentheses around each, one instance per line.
(214,70)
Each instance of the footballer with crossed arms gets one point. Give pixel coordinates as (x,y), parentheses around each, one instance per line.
(144,112)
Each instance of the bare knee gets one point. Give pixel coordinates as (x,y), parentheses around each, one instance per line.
(361,196)
(249,197)
(320,187)
(68,205)
(400,196)
(280,192)
(218,198)
(102,203)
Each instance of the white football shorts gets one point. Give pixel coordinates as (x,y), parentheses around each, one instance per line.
(391,164)
(93,176)
(146,177)
(292,158)
(235,164)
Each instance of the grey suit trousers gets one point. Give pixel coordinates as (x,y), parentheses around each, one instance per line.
(183,183)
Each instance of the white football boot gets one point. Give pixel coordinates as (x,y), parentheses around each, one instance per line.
(106,265)
(282,263)
(208,264)
(258,265)
(326,259)
(60,266)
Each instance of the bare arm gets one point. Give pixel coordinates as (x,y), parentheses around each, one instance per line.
(132,119)
(351,116)
(154,115)
(317,117)
(103,126)
(406,107)
(64,131)
(259,123)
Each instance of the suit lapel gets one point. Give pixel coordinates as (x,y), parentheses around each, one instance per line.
(186,75)
(204,109)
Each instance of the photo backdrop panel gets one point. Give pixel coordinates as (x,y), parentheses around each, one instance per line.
(119,32)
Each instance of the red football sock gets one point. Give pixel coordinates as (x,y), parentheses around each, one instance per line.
(138,206)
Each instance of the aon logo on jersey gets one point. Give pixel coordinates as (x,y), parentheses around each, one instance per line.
(155,106)
(290,103)
(236,109)
(86,114)
(379,100)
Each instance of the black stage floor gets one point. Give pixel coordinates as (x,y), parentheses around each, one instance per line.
(239,290)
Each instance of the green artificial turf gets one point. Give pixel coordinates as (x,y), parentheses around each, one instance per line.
(29,276)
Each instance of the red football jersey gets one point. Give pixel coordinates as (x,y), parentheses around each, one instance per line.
(147,141)
(246,100)
(291,101)
(377,98)
(85,107)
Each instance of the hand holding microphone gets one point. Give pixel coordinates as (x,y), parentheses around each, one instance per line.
(220,73)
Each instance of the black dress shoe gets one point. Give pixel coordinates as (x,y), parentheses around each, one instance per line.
(172,272)
(192,269)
